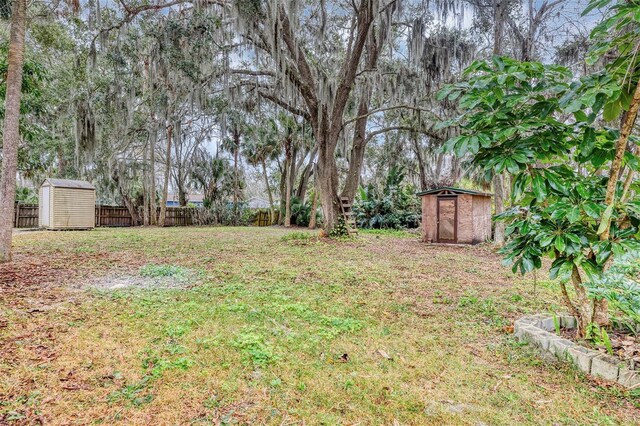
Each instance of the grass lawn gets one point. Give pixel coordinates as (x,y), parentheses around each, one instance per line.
(267,326)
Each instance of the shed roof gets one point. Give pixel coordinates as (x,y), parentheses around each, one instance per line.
(453,191)
(68,183)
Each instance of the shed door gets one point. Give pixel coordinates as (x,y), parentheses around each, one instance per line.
(447,219)
(44,206)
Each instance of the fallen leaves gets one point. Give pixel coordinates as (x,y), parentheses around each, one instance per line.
(384,354)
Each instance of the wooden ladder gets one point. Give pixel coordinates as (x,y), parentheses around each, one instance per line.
(347,214)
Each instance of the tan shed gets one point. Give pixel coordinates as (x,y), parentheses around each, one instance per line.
(67,204)
(455,216)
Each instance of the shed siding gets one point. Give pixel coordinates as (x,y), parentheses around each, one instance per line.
(481,219)
(72,208)
(44,213)
(429,218)
(465,219)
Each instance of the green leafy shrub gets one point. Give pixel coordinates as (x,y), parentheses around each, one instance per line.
(300,212)
(514,122)
(340,230)
(620,285)
(26,195)
(395,206)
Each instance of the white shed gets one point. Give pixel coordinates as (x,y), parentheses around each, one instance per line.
(67,204)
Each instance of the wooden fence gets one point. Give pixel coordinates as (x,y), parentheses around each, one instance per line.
(178,216)
(25,216)
(263,218)
(116,216)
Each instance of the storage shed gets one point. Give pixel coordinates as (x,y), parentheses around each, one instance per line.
(455,216)
(67,204)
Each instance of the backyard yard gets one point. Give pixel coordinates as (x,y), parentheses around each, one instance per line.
(272,326)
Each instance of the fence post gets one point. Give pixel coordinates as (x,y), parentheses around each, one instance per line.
(16,222)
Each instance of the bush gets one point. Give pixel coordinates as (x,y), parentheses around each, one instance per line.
(620,285)
(394,207)
(26,195)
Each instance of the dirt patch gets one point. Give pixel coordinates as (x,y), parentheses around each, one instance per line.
(124,282)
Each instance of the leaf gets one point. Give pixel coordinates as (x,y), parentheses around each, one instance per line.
(592,209)
(555,182)
(595,5)
(561,269)
(612,110)
(588,141)
(539,187)
(384,354)
(527,264)
(573,215)
(606,219)
(580,116)
(546,240)
(560,243)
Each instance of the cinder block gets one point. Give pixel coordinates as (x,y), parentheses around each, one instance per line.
(547,324)
(559,347)
(537,319)
(629,378)
(522,322)
(520,331)
(567,321)
(581,357)
(544,338)
(605,366)
(530,334)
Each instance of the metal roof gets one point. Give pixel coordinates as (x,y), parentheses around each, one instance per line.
(67,183)
(455,191)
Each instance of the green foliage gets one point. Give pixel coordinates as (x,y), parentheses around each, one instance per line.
(296,236)
(301,212)
(255,349)
(514,123)
(618,32)
(396,206)
(152,270)
(598,336)
(26,195)
(620,285)
(339,230)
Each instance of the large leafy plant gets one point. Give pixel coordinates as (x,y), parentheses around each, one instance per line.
(394,206)
(539,124)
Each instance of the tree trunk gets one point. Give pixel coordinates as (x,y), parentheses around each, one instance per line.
(328,185)
(272,212)
(146,195)
(314,208)
(146,186)
(152,173)
(167,172)
(284,171)
(290,166)
(306,175)
(616,164)
(118,176)
(11,132)
(498,199)
(498,181)
(236,182)
(421,165)
(356,158)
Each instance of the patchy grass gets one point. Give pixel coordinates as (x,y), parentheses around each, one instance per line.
(372,330)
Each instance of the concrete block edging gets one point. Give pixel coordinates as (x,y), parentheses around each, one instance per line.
(539,331)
